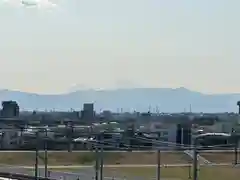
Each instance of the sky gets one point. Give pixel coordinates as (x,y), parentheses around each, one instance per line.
(121,44)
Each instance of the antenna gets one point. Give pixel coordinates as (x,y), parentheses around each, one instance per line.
(157,110)
(149,109)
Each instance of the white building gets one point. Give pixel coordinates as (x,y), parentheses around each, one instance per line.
(219,127)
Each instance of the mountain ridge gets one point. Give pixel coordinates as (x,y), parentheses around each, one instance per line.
(129,99)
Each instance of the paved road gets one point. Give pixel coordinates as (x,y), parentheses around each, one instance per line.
(83,173)
(84,167)
(118,151)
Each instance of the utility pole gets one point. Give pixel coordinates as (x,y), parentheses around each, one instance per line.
(158,161)
(36,155)
(70,136)
(97,161)
(189,171)
(236,149)
(182,137)
(236,138)
(46,155)
(236,155)
(195,160)
(2,140)
(189,149)
(101,158)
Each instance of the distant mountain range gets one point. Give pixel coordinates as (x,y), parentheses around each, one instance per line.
(139,99)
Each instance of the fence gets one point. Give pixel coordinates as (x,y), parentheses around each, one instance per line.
(20,176)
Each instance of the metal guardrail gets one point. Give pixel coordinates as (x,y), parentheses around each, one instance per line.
(21,176)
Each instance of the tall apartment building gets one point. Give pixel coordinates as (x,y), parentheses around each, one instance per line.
(88,111)
(10,109)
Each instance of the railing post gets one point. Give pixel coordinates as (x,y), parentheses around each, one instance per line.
(158,161)
(36,155)
(195,160)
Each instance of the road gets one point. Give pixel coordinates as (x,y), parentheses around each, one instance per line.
(214,151)
(108,166)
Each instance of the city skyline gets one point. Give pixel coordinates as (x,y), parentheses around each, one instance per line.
(121,44)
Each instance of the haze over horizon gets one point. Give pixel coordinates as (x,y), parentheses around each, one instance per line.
(121,44)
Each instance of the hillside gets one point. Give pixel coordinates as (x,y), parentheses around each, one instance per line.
(140,99)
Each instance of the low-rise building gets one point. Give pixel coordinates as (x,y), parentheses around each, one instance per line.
(166,132)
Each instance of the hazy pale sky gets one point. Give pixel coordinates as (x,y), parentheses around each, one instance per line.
(121,43)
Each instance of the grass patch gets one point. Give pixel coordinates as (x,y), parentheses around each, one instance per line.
(181,173)
(88,158)
(219,157)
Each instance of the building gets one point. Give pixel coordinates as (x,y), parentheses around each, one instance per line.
(184,134)
(9,109)
(88,107)
(10,138)
(106,115)
(88,112)
(167,132)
